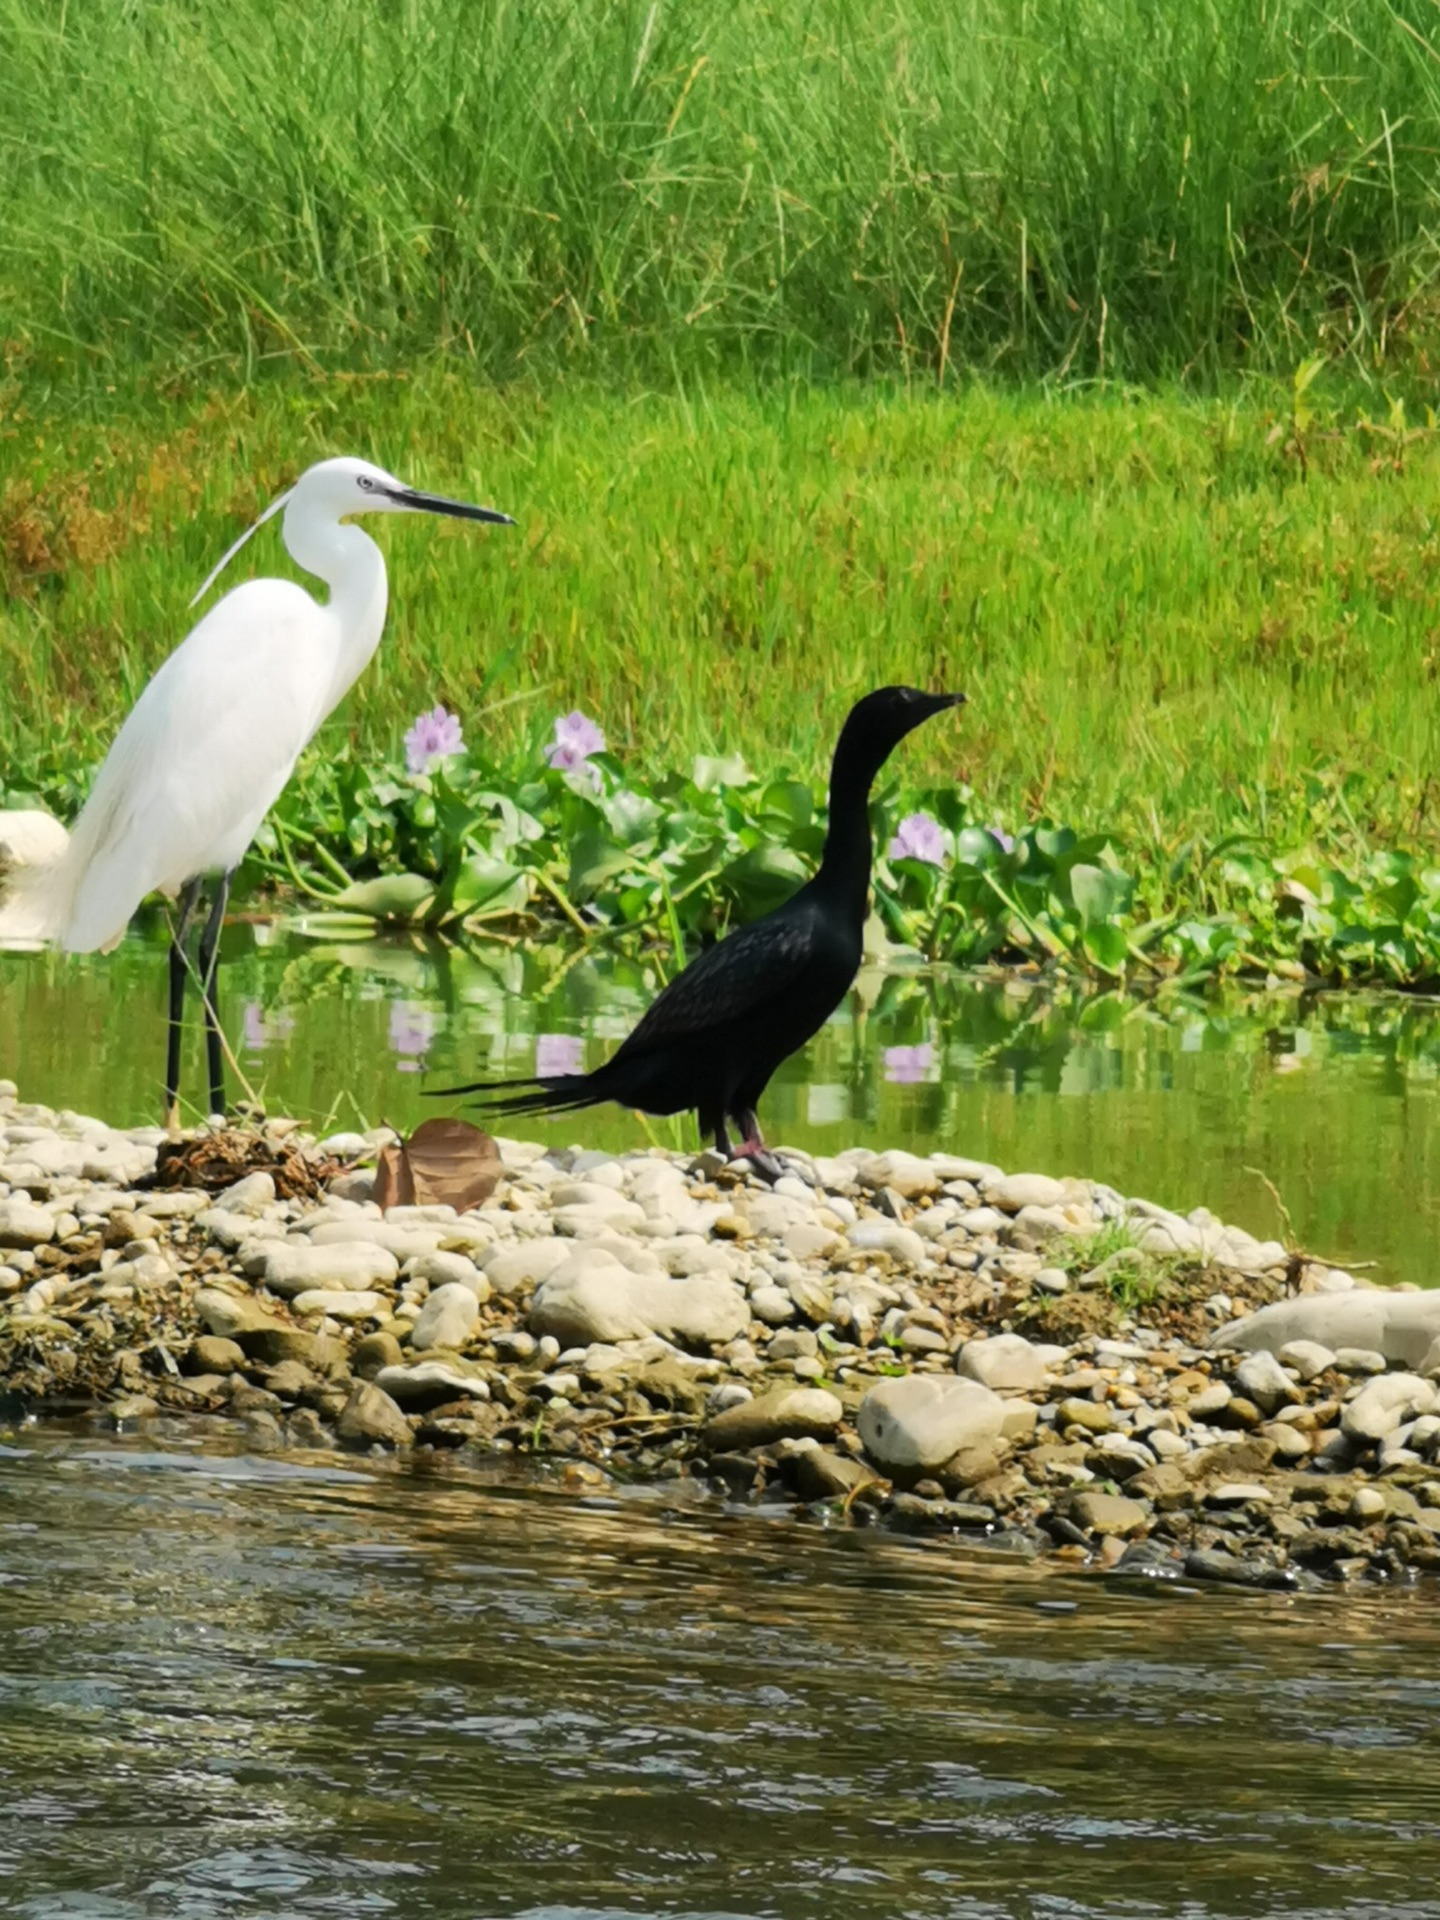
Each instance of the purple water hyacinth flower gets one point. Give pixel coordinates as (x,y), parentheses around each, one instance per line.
(434,736)
(260,1030)
(557,1053)
(906,1066)
(919,837)
(412,1028)
(1005,841)
(576,738)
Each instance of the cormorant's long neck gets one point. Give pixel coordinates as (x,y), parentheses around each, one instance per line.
(844,875)
(353,567)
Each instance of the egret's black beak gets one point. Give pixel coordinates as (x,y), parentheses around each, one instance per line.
(437,503)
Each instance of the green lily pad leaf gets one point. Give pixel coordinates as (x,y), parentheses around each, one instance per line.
(1099,893)
(974,847)
(1105,948)
(483,880)
(763,877)
(594,859)
(632,818)
(395,896)
(712,771)
(791,800)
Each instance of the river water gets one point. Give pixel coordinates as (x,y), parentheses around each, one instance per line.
(235,1686)
(298,1686)
(1334,1099)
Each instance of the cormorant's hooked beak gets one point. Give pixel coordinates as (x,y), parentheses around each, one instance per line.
(940,701)
(414,501)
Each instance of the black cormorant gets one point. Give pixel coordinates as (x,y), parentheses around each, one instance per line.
(716,1034)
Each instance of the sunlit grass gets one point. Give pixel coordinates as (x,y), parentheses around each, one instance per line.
(1163,625)
(1094,187)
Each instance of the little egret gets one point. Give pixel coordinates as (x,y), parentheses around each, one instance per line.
(716,1034)
(215,736)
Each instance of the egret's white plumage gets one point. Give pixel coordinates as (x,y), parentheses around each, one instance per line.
(214,737)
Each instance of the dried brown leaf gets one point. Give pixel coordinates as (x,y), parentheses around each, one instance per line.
(454,1164)
(444,1163)
(394,1182)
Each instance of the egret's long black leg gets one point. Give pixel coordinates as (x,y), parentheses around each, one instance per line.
(209,966)
(189,894)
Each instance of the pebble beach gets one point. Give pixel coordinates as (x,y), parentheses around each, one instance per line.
(1037,1365)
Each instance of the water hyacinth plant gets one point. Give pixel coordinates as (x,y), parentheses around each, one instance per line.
(569,837)
(920,837)
(577,740)
(435,736)
(566,835)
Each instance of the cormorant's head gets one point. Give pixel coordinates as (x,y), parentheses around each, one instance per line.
(882,719)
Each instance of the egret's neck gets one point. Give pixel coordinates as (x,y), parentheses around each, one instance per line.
(353,568)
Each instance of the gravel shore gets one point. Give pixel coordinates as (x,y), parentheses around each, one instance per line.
(931,1345)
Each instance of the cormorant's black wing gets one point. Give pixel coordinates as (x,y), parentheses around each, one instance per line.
(736,978)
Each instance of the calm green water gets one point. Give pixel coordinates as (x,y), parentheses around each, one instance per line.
(242,1686)
(1336,1099)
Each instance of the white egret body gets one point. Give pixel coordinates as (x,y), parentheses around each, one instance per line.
(211,742)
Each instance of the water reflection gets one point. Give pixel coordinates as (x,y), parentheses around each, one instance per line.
(1331,1098)
(256,1686)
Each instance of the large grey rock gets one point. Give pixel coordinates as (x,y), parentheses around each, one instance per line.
(22,1224)
(789,1413)
(399,1241)
(341,1303)
(905,1173)
(291,1268)
(586,1221)
(1261,1378)
(1385,1403)
(593,1297)
(1006,1362)
(430,1383)
(1016,1190)
(1307,1358)
(884,1236)
(511,1268)
(772,1214)
(371,1417)
(446,1319)
(1399,1325)
(449,1269)
(252,1194)
(1112,1513)
(263,1337)
(924,1419)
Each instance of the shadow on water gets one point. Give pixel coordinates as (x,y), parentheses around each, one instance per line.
(246,1686)
(1333,1098)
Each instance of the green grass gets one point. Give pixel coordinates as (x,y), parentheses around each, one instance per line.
(1166,623)
(1088,187)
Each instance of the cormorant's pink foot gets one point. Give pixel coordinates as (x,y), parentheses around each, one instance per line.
(765,1163)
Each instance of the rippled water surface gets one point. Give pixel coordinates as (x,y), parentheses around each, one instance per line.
(1335,1099)
(236,1686)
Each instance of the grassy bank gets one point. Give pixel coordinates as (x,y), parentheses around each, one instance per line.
(1167,625)
(1178,622)
(1115,187)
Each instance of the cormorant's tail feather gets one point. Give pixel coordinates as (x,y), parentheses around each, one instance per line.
(552,1093)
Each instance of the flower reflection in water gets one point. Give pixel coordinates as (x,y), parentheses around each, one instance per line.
(906,1066)
(557,1053)
(260,1030)
(412,1028)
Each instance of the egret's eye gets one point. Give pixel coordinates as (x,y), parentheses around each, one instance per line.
(365,481)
